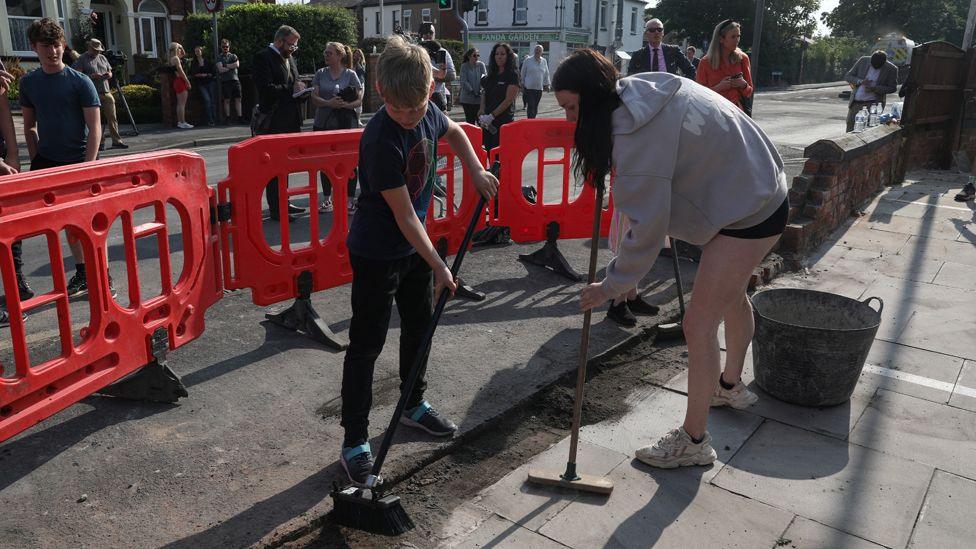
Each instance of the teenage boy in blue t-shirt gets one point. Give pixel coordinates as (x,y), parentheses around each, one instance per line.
(391,255)
(62,126)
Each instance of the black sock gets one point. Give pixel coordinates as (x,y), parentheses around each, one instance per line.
(724,384)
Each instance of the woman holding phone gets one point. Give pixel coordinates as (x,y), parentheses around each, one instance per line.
(725,68)
(735,210)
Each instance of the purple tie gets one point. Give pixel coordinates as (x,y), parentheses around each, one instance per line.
(655,64)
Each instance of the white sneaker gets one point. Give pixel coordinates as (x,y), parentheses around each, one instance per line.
(184,126)
(676,449)
(737,397)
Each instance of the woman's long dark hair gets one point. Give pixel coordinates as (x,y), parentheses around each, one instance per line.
(467,55)
(494,71)
(594,78)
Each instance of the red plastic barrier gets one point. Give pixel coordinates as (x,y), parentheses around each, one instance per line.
(250,262)
(528,221)
(86,199)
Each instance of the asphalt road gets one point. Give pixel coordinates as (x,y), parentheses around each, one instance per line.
(255,444)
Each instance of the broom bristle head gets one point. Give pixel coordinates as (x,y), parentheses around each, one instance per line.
(362,509)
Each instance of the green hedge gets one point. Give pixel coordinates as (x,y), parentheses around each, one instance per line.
(144,102)
(250,27)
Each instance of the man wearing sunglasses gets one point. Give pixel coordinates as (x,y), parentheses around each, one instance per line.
(657,56)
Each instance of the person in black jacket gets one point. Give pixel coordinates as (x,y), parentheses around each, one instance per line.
(659,57)
(275,75)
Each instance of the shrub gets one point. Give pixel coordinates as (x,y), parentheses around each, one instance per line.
(144,102)
(378,42)
(12,65)
(250,27)
(832,56)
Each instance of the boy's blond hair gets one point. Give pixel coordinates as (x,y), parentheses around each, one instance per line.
(404,73)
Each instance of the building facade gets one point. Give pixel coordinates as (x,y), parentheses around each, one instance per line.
(406,15)
(560,26)
(132,27)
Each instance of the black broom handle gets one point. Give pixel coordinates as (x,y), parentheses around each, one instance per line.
(479,213)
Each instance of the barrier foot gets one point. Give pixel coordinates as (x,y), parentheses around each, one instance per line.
(302,317)
(467,292)
(154,382)
(463,290)
(492,236)
(550,256)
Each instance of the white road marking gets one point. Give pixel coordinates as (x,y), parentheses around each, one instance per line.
(921,380)
(920,203)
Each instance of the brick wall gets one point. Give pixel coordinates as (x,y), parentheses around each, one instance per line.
(925,146)
(840,174)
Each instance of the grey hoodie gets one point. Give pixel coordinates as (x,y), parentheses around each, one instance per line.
(688,163)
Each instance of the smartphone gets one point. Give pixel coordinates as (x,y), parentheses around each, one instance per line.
(739,75)
(442,56)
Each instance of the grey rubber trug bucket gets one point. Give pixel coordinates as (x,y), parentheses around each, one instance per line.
(809,347)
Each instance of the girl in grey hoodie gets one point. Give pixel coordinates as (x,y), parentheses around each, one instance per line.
(687,163)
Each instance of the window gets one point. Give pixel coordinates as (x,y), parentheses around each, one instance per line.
(481,16)
(22,13)
(406,20)
(633,21)
(520,11)
(603,15)
(425,15)
(379,22)
(153,28)
(395,19)
(577,13)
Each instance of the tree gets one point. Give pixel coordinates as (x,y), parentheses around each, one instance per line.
(920,20)
(784,22)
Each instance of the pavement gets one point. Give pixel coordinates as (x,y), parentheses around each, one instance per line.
(892,467)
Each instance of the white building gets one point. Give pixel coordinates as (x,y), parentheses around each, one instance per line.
(560,26)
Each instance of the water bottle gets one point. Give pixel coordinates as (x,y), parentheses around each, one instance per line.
(860,120)
(335,91)
(873,116)
(896,110)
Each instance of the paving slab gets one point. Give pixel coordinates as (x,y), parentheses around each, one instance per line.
(946,519)
(498,532)
(933,227)
(904,299)
(956,275)
(964,393)
(865,238)
(916,429)
(656,414)
(866,264)
(666,509)
(853,489)
(531,506)
(937,248)
(911,371)
(948,331)
(808,534)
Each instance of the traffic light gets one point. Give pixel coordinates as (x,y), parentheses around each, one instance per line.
(445,5)
(468,5)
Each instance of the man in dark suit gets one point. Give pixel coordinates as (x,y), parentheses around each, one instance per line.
(275,75)
(872,77)
(690,52)
(656,56)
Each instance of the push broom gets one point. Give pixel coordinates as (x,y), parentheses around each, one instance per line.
(571,478)
(368,508)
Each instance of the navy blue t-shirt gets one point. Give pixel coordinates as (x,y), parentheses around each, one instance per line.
(59,101)
(390,157)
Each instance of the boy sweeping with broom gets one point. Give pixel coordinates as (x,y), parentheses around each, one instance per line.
(391,255)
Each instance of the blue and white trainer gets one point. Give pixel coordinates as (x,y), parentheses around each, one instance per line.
(427,419)
(358,463)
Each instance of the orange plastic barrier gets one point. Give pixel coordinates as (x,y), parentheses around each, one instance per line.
(86,200)
(528,222)
(273,274)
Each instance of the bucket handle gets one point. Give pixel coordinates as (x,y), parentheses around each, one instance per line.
(880,303)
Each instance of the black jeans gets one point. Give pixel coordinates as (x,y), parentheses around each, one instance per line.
(471,112)
(375,286)
(532,98)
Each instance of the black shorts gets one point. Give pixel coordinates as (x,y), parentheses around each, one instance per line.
(231,89)
(774,225)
